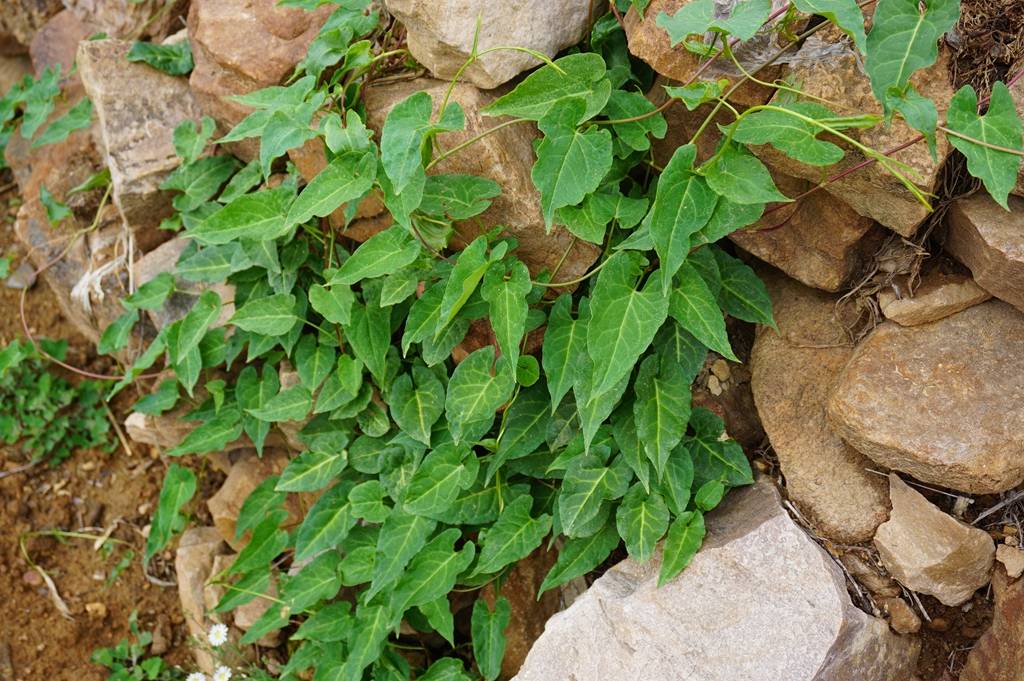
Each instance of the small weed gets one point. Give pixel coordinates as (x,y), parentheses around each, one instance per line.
(127,662)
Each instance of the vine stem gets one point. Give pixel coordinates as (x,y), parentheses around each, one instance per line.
(571,282)
(996,147)
(473,140)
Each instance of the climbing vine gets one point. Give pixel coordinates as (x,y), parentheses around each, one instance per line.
(431,476)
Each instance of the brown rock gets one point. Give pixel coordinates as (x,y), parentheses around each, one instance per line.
(1012,559)
(56,43)
(248,471)
(193,565)
(528,613)
(505,157)
(734,404)
(931,552)
(20,19)
(818,240)
(943,402)
(137,109)
(999,655)
(829,68)
(990,242)
(238,48)
(13,69)
(793,372)
(130,19)
(939,296)
(870,577)
(902,617)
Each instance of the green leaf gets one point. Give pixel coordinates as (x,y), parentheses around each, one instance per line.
(271,316)
(373,624)
(423,316)
(381,254)
(693,305)
(258,216)
(623,321)
(369,334)
(160,400)
(918,111)
(677,480)
(642,520)
(743,294)
(316,581)
(439,479)
(261,501)
(709,495)
(587,484)
(488,631)
(346,178)
(728,217)
(314,362)
(903,39)
(458,197)
(199,181)
(334,303)
(682,205)
(624,434)
(56,212)
(212,436)
(286,129)
(407,126)
(116,335)
(78,117)
(505,289)
(439,615)
(564,345)
(401,537)
(571,162)
(469,269)
(367,501)
(714,458)
(999,126)
(312,471)
(342,386)
(580,556)
(433,572)
(526,423)
(739,174)
(175,59)
(446,669)
(244,590)
(701,16)
(695,94)
(662,408)
(416,403)
(577,76)
(474,392)
(190,140)
(293,404)
(845,14)
(193,325)
(514,536)
(178,488)
(789,134)
(681,545)
(327,523)
(637,133)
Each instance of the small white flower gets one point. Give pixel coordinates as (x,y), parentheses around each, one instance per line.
(196,676)
(218,635)
(222,674)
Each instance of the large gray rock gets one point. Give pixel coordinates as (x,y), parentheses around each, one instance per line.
(793,371)
(990,241)
(137,109)
(760,602)
(943,402)
(932,552)
(441,33)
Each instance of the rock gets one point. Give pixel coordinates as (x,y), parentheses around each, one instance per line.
(932,552)
(829,68)
(529,613)
(943,402)
(869,577)
(23,277)
(238,47)
(939,296)
(130,19)
(1012,559)
(244,616)
(13,69)
(137,109)
(902,617)
(652,44)
(442,33)
(506,157)
(818,240)
(760,601)
(998,655)
(793,372)
(164,258)
(163,431)
(197,549)
(56,43)
(990,242)
(733,403)
(248,471)
(20,19)
(96,610)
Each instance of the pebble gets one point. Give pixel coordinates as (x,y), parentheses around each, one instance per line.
(96,610)
(32,578)
(939,624)
(22,278)
(902,617)
(1012,559)
(714,385)
(720,368)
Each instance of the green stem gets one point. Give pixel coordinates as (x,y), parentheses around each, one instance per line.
(995,147)
(473,140)
(571,282)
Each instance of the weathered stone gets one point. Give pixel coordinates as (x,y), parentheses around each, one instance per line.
(818,240)
(990,241)
(760,601)
(238,48)
(505,157)
(932,552)
(56,43)
(943,402)
(832,70)
(999,655)
(20,19)
(651,43)
(442,33)
(130,19)
(870,577)
(1012,558)
(528,612)
(939,296)
(902,617)
(137,109)
(793,371)
(193,564)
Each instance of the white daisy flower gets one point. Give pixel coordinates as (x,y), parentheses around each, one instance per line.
(222,674)
(196,676)
(218,635)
